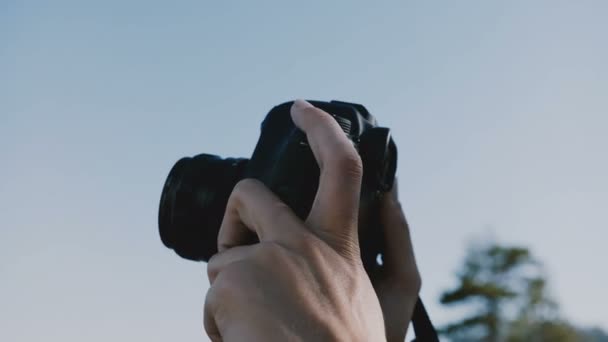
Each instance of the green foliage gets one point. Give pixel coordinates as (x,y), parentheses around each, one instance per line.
(469,288)
(507,288)
(491,275)
(521,330)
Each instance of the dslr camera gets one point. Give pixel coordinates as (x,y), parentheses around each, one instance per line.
(195,194)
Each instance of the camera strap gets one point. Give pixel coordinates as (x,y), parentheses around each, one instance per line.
(425,332)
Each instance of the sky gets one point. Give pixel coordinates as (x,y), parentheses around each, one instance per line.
(499,111)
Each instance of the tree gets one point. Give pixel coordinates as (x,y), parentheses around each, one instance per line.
(491,277)
(507,289)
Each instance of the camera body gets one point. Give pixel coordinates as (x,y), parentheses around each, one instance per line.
(196,191)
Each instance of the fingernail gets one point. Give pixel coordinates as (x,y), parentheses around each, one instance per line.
(301,104)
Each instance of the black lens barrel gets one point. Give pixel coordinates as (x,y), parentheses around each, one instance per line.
(193,202)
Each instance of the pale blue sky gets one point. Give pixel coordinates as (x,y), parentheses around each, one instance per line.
(499,110)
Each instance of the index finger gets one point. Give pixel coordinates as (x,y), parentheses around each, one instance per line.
(335,208)
(253,208)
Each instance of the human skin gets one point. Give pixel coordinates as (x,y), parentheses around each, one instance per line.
(304,280)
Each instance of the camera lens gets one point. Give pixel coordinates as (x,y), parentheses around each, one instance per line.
(193,202)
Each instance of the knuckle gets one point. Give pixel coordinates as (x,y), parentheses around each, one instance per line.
(301,247)
(311,248)
(211,299)
(302,241)
(311,242)
(270,252)
(244,186)
(242,192)
(219,302)
(214,267)
(212,271)
(348,161)
(227,284)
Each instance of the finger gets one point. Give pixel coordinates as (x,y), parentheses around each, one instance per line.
(336,205)
(225,296)
(253,208)
(222,259)
(209,322)
(399,262)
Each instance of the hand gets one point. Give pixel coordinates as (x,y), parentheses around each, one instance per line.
(304,280)
(398,282)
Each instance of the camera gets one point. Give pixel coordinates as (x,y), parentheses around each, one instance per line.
(196,192)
